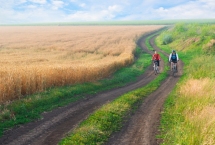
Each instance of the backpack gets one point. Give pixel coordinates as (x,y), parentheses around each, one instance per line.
(174,57)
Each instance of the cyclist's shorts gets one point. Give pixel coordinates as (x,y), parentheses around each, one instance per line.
(157,62)
(174,61)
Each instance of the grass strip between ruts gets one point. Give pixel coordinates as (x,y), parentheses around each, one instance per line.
(148,43)
(110,117)
(30,108)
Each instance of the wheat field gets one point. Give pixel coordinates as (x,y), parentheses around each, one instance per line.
(34,58)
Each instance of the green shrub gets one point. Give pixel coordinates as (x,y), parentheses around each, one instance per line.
(167,39)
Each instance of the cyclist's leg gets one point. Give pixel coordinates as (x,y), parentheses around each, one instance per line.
(175,64)
(171,65)
(155,67)
(158,62)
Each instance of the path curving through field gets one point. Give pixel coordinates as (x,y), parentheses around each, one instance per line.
(143,126)
(140,129)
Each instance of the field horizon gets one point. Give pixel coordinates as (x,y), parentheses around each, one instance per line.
(120,23)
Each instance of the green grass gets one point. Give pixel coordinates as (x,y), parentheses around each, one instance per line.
(30,108)
(109,118)
(186,118)
(148,43)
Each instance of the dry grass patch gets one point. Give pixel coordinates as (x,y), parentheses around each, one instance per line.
(36,58)
(183,45)
(199,111)
(198,88)
(210,46)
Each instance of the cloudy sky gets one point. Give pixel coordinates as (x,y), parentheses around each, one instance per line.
(40,11)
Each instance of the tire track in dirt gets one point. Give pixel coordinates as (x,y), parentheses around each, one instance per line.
(55,124)
(143,126)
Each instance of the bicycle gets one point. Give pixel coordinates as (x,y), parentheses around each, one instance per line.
(156,69)
(174,68)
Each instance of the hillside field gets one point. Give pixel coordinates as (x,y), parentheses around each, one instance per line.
(188,116)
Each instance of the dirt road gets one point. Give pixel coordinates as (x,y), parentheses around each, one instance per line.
(140,129)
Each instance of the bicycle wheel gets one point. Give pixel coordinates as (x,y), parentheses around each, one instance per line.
(155,69)
(174,70)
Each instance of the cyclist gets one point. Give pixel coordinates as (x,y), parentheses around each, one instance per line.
(173,58)
(156,58)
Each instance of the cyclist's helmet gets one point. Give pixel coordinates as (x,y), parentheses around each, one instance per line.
(173,51)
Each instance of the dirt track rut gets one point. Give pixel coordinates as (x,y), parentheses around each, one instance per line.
(142,128)
(57,123)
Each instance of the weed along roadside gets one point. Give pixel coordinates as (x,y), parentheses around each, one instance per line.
(98,127)
(188,116)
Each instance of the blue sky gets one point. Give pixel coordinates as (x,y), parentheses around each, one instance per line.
(41,11)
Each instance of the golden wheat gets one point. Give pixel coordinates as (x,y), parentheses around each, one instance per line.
(33,59)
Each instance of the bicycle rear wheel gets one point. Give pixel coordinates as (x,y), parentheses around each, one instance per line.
(156,69)
(174,70)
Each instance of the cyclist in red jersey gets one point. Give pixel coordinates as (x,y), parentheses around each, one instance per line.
(156,57)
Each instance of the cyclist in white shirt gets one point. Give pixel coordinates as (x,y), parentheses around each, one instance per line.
(173,58)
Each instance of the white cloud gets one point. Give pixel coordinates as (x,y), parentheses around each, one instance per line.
(22,1)
(190,10)
(95,15)
(32,7)
(83,16)
(208,4)
(82,5)
(32,13)
(21,11)
(90,16)
(39,1)
(57,4)
(114,8)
